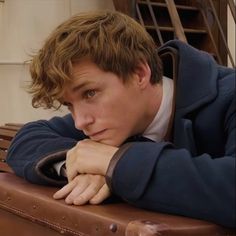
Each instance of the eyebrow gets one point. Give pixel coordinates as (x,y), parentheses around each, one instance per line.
(76,88)
(80,86)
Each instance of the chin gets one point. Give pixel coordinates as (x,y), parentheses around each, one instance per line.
(111,142)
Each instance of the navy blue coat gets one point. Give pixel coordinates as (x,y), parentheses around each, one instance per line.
(192,175)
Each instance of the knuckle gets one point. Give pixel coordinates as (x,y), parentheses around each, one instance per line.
(81,142)
(99,178)
(68,154)
(77,179)
(94,189)
(82,198)
(78,143)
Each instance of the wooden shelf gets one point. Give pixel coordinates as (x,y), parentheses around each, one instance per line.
(171,29)
(196,22)
(181,7)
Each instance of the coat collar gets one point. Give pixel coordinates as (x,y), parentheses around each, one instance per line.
(197,74)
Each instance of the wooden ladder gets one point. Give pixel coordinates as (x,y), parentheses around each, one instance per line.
(201,23)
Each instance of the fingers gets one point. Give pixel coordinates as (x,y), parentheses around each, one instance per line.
(86,195)
(71,171)
(65,190)
(72,189)
(103,194)
(83,189)
(95,183)
(76,192)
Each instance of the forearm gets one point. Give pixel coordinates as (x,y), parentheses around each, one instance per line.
(172,181)
(36,147)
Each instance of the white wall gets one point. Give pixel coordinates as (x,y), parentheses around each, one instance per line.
(24,24)
(231,35)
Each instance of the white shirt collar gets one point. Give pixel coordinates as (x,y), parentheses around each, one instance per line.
(156,131)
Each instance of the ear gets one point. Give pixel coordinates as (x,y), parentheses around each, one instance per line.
(142,75)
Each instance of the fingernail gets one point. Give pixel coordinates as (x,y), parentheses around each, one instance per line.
(68,201)
(55,195)
(76,202)
(79,201)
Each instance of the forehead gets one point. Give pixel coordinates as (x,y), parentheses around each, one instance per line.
(85,73)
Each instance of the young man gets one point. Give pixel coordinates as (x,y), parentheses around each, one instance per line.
(105,68)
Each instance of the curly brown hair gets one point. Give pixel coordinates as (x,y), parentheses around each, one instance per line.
(113,41)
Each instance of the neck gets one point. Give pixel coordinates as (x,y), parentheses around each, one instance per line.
(154,97)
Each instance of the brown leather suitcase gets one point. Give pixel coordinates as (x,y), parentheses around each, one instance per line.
(29,210)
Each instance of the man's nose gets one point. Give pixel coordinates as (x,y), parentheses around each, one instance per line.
(82,119)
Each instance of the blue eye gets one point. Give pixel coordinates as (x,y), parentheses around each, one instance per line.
(89,93)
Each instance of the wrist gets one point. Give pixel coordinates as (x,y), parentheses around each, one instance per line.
(113,162)
(110,153)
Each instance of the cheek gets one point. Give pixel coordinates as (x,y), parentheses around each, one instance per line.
(123,117)
(118,109)
(110,106)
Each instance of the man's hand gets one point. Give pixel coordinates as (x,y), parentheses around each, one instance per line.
(88,157)
(83,189)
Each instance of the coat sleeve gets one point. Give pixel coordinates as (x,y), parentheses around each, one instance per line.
(38,145)
(160,177)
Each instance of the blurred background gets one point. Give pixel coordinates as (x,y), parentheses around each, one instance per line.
(24,25)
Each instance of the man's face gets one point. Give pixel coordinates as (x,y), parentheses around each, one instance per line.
(103,106)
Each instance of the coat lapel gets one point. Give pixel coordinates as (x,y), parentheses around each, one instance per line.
(196,85)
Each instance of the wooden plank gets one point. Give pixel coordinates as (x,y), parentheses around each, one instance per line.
(174,16)
(171,29)
(3,155)
(164,5)
(14,124)
(4,167)
(232,9)
(10,127)
(125,6)
(7,134)
(4,144)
